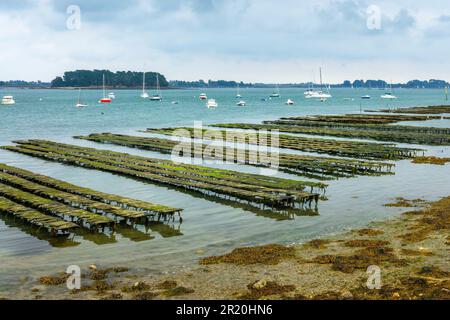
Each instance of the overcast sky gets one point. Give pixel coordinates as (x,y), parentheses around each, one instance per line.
(249,40)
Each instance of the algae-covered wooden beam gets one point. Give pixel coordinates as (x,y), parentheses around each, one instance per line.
(353,149)
(403,136)
(34,217)
(251,188)
(444,109)
(363,118)
(310,166)
(54,208)
(110,199)
(68,198)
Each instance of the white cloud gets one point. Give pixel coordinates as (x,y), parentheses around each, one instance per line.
(251,40)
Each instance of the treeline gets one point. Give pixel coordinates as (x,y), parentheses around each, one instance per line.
(119,79)
(24,84)
(413,84)
(209,84)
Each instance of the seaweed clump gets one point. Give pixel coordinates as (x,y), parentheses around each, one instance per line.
(430,160)
(317,244)
(269,288)
(370,232)
(147,295)
(168,284)
(405,203)
(177,291)
(54,280)
(269,254)
(434,218)
(361,259)
(366,243)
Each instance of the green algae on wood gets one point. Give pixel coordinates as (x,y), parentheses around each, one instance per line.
(381,123)
(403,136)
(252,188)
(361,118)
(52,224)
(54,208)
(110,199)
(417,110)
(310,166)
(352,149)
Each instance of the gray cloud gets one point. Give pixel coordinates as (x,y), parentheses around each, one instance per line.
(219,38)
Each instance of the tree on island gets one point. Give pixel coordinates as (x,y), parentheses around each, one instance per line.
(94,78)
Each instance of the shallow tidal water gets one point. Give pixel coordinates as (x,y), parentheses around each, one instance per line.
(209,227)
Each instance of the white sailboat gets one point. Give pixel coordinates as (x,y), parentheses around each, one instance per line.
(322,96)
(79,104)
(389,95)
(157,96)
(275,93)
(290,102)
(238,95)
(105,99)
(144,94)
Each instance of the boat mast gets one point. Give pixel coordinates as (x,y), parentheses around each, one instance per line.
(158,89)
(104,90)
(321,84)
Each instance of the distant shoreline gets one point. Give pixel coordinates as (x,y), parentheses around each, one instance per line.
(194,88)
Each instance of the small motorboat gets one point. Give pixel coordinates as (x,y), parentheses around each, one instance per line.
(203,96)
(8,100)
(241,103)
(211,104)
(111,95)
(388,96)
(289,102)
(174,102)
(366,97)
(156,97)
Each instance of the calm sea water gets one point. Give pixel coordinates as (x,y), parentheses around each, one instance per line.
(208,227)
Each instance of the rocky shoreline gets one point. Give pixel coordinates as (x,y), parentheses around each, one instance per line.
(411,252)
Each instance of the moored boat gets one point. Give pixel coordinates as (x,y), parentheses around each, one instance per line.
(8,100)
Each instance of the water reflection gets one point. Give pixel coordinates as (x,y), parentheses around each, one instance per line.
(62,241)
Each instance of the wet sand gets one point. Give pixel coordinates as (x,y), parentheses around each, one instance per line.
(412,252)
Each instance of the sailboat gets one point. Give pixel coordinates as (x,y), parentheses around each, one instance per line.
(144,94)
(79,104)
(320,94)
(389,95)
(105,99)
(238,95)
(157,96)
(290,102)
(276,93)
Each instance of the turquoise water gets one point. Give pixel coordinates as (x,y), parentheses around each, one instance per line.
(209,226)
